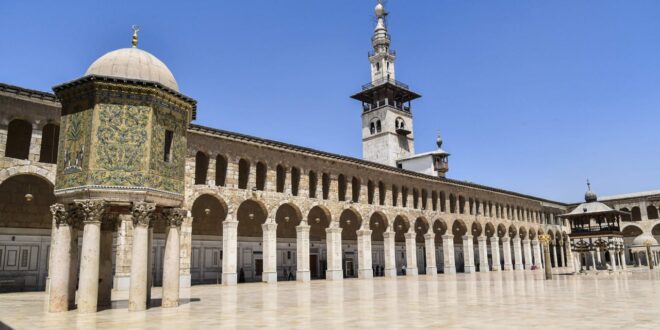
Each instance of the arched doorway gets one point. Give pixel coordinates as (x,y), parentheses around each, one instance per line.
(287,217)
(25,204)
(318,219)
(349,222)
(459,230)
(208,213)
(251,215)
(401,227)
(421,228)
(439,229)
(378,226)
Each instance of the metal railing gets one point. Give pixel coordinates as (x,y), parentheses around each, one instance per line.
(383,81)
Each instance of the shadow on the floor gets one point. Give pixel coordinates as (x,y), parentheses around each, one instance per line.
(4,326)
(119,304)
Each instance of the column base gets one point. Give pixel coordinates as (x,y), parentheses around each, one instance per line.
(303,276)
(269,277)
(519,267)
(121,282)
(184,281)
(432,271)
(496,268)
(469,269)
(334,275)
(411,272)
(507,267)
(528,266)
(450,270)
(365,274)
(229,279)
(484,269)
(390,273)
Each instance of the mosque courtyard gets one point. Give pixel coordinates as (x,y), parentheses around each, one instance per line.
(505,300)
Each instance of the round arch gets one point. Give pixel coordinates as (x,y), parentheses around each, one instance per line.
(251,215)
(208,212)
(378,225)
(287,216)
(401,226)
(18,209)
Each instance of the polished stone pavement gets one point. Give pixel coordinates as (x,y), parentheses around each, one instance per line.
(505,300)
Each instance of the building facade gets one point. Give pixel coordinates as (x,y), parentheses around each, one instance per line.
(212,206)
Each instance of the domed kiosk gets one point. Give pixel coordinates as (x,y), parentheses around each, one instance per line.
(121,163)
(596,238)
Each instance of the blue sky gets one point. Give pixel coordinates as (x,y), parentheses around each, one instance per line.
(531,96)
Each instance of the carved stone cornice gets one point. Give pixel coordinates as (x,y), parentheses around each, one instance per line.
(174,216)
(61,215)
(142,213)
(90,210)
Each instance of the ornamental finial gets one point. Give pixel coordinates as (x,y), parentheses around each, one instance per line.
(136,29)
(588,185)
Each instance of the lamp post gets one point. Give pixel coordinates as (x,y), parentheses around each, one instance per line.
(545,239)
(649,260)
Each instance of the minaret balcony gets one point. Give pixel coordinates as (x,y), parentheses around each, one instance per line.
(403,106)
(383,81)
(403,131)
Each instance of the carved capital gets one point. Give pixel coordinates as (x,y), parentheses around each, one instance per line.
(142,213)
(174,217)
(90,210)
(61,215)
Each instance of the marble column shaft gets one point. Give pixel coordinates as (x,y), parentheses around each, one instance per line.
(365,270)
(105,269)
(88,280)
(60,259)
(389,254)
(171,263)
(448,254)
(411,254)
(517,251)
(429,246)
(483,254)
(506,250)
(269,274)
(229,252)
(302,249)
(527,250)
(333,241)
(137,293)
(536,248)
(495,252)
(468,254)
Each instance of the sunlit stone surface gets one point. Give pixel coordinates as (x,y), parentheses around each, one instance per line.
(491,300)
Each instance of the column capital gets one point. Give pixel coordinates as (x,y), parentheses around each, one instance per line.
(388,234)
(174,216)
(302,228)
(506,239)
(269,226)
(61,215)
(467,236)
(482,238)
(229,224)
(142,213)
(409,235)
(526,241)
(447,236)
(90,210)
(364,232)
(333,230)
(429,236)
(494,238)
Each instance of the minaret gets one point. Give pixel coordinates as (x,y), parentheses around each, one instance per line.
(387,131)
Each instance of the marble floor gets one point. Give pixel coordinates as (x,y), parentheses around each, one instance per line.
(504,300)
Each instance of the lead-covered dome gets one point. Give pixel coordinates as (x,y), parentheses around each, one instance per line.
(133,63)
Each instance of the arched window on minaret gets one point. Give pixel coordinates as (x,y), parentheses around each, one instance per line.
(378,127)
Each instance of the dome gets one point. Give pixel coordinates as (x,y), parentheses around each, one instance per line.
(133,63)
(641,239)
(590,196)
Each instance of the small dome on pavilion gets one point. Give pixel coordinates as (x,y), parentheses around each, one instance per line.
(133,63)
(641,240)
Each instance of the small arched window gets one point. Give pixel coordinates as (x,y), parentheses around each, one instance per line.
(281,178)
(372,128)
(261,176)
(399,123)
(49,141)
(243,173)
(19,134)
(201,167)
(377,66)
(220,170)
(378,127)
(295,180)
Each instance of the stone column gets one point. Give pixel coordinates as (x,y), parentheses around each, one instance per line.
(517,250)
(88,280)
(429,245)
(495,252)
(527,250)
(537,253)
(171,263)
(389,254)
(75,262)
(364,254)
(411,254)
(613,259)
(185,252)
(302,247)
(333,241)
(60,256)
(554,255)
(122,278)
(623,259)
(269,274)
(105,264)
(506,249)
(468,254)
(483,254)
(561,255)
(229,251)
(448,254)
(137,294)
(593,260)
